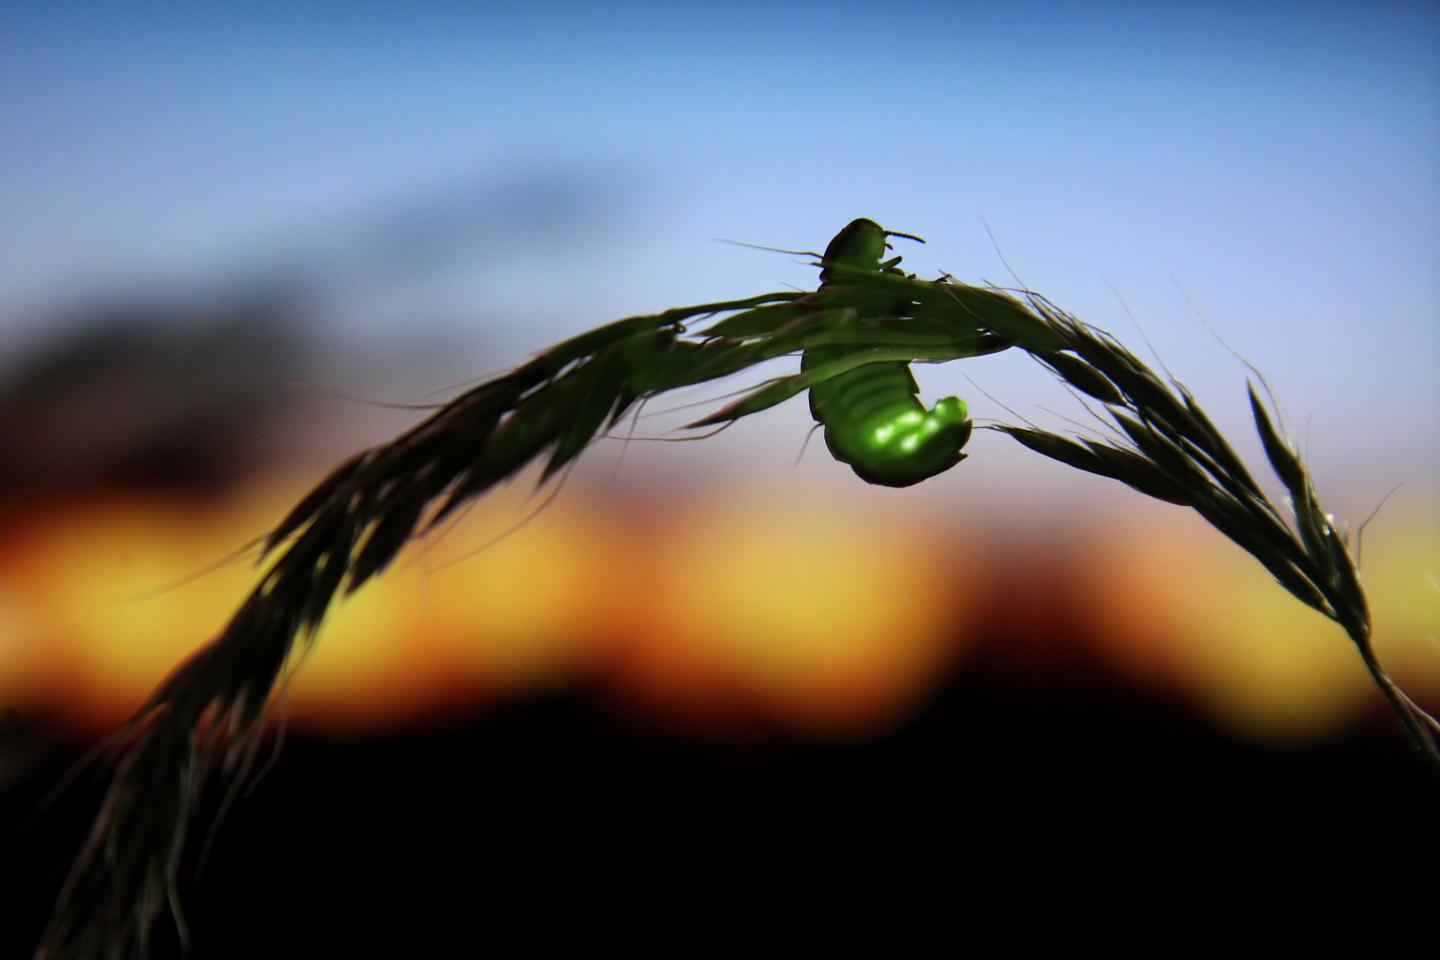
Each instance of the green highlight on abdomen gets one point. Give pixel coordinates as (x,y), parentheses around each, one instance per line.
(875,422)
(872,415)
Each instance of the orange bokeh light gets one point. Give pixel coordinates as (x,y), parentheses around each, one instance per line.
(782,607)
(827,621)
(1180,607)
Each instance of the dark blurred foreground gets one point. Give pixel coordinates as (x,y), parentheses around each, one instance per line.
(1026,809)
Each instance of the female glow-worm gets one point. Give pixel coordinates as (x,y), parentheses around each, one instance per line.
(872,415)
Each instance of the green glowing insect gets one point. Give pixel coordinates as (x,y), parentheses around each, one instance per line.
(873,418)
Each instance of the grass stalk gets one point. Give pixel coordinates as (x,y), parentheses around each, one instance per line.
(203,721)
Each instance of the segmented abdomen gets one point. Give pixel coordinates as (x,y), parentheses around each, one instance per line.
(874,421)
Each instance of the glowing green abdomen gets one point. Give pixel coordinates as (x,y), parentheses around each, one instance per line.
(873,418)
(875,422)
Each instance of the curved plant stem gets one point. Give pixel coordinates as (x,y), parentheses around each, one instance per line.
(204,718)
(1418,724)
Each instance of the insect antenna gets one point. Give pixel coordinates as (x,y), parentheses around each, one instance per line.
(907,236)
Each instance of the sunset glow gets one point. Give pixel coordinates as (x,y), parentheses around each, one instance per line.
(780,608)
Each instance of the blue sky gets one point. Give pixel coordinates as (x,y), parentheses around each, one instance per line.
(1279,160)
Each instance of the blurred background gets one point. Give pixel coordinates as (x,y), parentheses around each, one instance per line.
(721,687)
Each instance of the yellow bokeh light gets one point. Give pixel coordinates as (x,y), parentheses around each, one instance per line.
(1402,580)
(1180,605)
(23,673)
(88,581)
(818,613)
(830,619)
(367,666)
(530,609)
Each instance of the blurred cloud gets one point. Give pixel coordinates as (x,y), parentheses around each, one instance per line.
(147,395)
(191,381)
